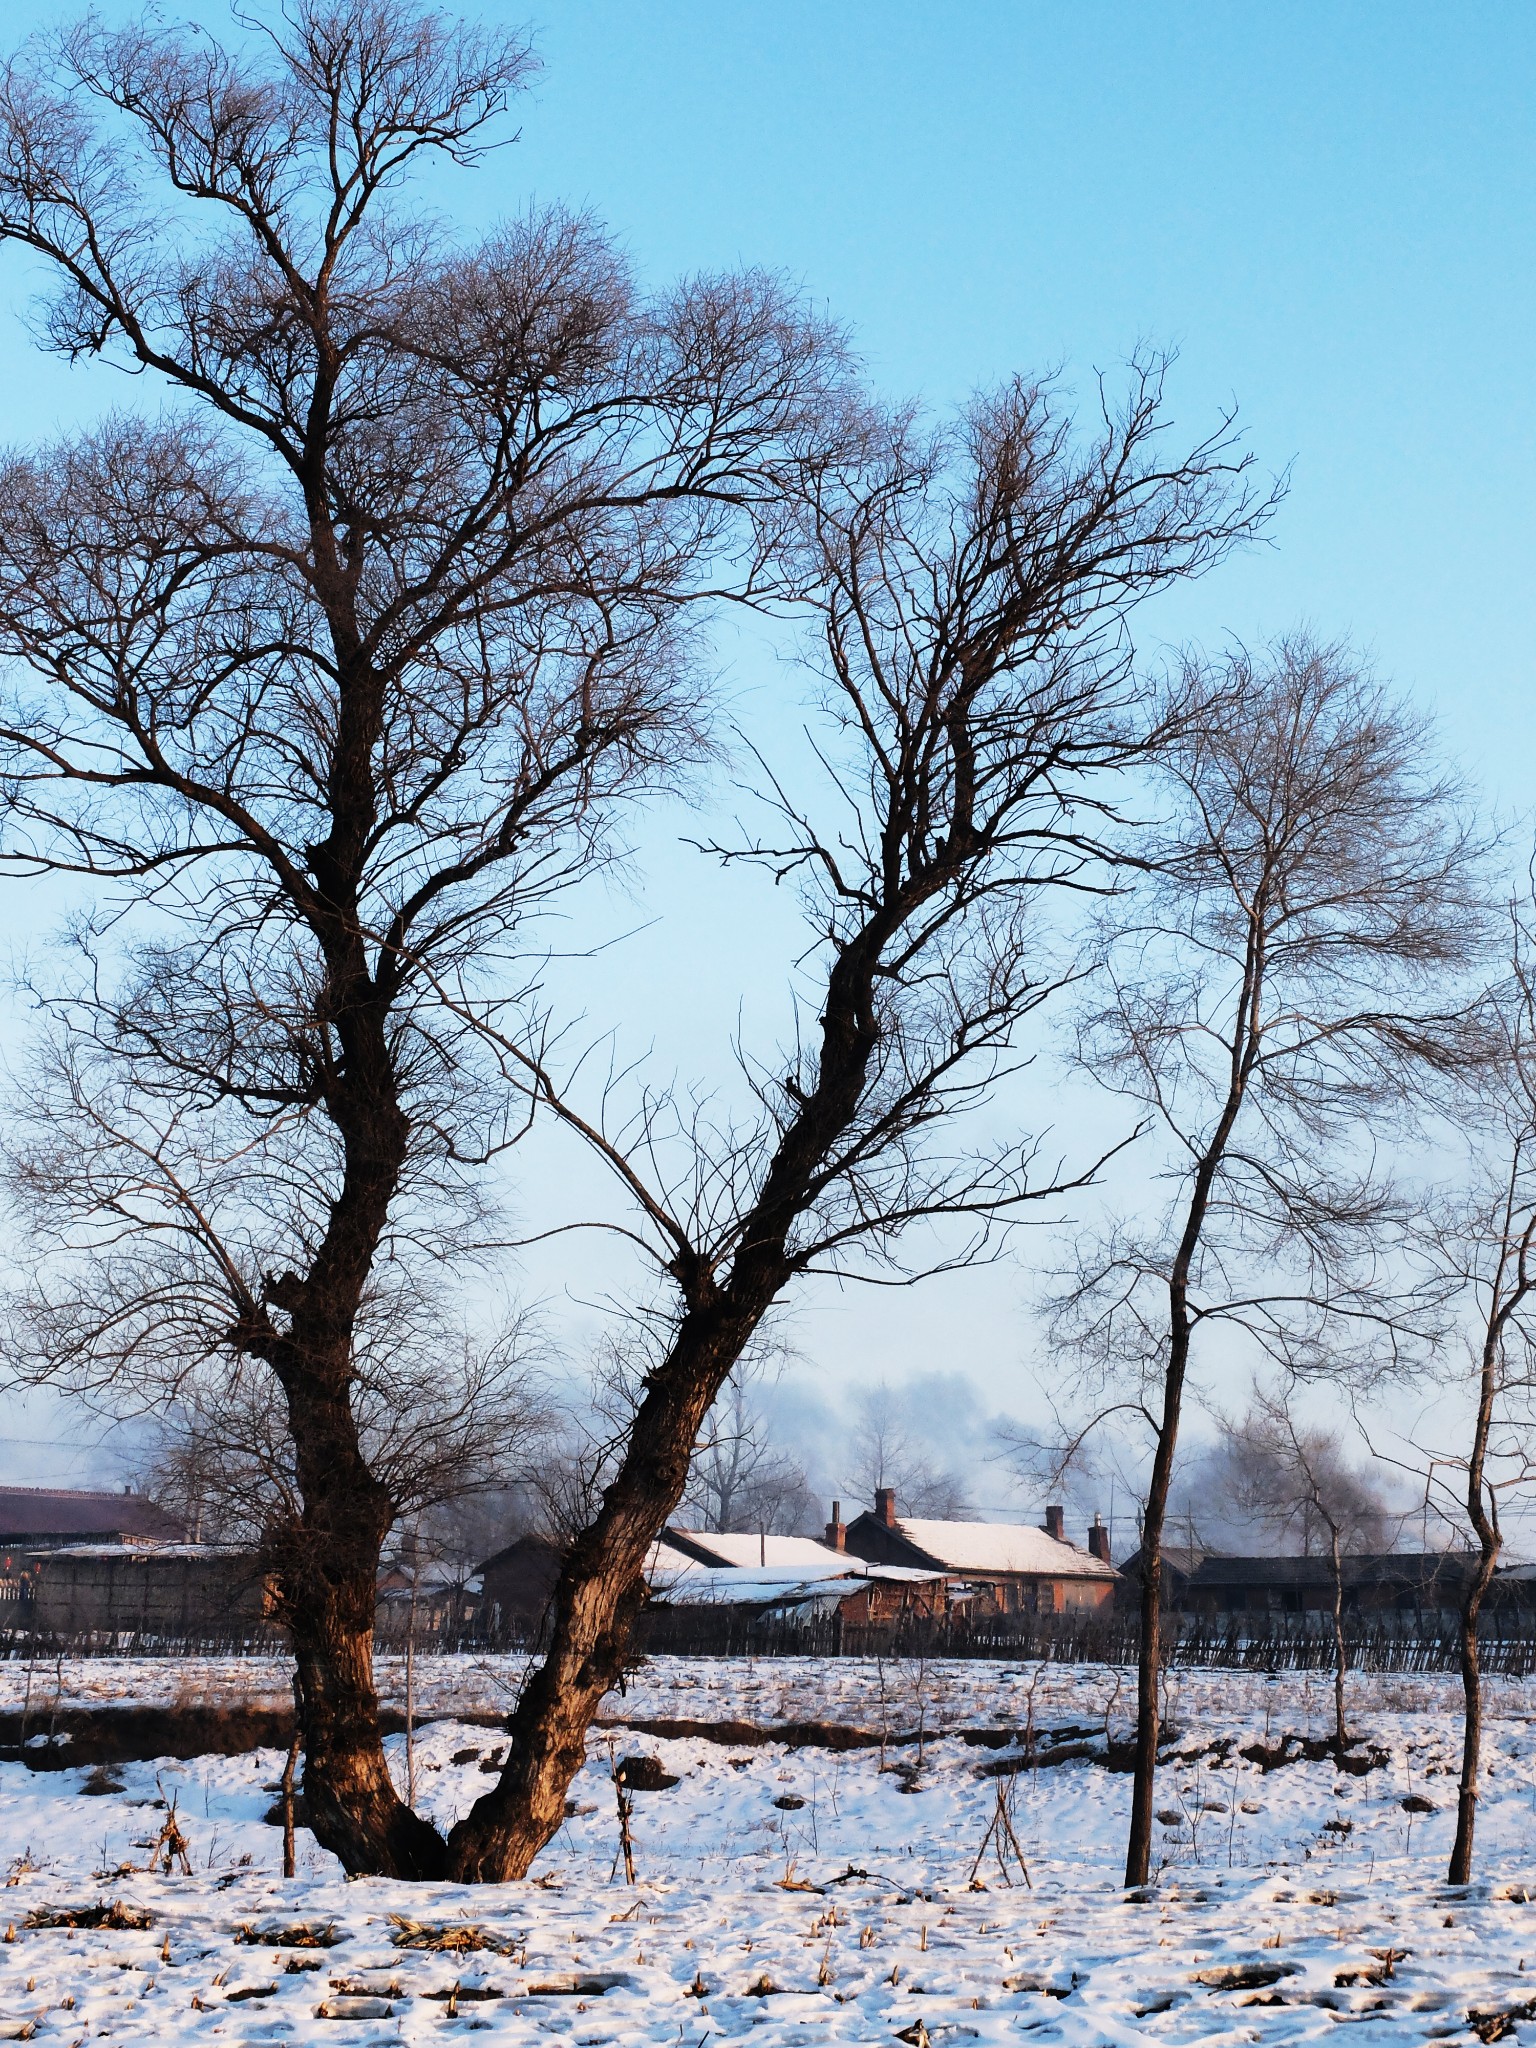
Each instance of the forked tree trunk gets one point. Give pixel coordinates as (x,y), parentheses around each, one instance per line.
(598,1596)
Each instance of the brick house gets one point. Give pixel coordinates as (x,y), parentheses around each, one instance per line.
(993,1568)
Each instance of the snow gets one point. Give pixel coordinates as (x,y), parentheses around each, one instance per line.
(745,1585)
(842,1883)
(729,1586)
(1001,1547)
(142,1552)
(666,1562)
(800,1554)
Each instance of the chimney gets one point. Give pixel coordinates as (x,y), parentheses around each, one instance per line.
(885,1505)
(1056,1524)
(1098,1541)
(837,1528)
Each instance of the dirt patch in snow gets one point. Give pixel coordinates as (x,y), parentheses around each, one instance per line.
(125,1735)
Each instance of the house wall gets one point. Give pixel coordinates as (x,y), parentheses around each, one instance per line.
(517,1583)
(143,1593)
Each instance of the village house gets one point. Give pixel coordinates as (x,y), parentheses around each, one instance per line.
(174,1590)
(1409,1586)
(695,1607)
(989,1568)
(515,1585)
(880,1570)
(425,1597)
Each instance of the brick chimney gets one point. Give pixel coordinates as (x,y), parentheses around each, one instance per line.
(885,1505)
(837,1528)
(1098,1541)
(1056,1523)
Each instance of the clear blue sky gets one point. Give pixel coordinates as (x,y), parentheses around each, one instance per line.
(1330,211)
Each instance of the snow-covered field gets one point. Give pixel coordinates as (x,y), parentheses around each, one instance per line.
(799,1894)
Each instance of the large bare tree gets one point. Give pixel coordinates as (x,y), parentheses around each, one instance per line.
(325,674)
(970,590)
(1269,996)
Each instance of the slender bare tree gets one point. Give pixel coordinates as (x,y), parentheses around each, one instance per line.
(1481,1239)
(331,671)
(971,590)
(885,1448)
(1295,1479)
(1271,994)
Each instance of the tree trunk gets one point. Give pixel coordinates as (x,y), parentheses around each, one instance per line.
(1488,1542)
(601,1586)
(290,1765)
(327,1571)
(597,1598)
(1340,1732)
(350,1799)
(1149,1661)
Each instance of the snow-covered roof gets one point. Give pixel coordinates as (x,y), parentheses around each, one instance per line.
(144,1553)
(1001,1547)
(734,1586)
(783,1553)
(740,1585)
(666,1561)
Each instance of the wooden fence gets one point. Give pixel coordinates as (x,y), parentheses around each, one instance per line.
(1244,1643)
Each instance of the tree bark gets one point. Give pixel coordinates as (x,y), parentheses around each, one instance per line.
(599,1594)
(1340,1732)
(327,1572)
(1486,1529)
(1149,1659)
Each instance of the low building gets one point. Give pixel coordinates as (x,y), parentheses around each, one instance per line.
(758,1597)
(426,1597)
(1413,1586)
(175,1590)
(989,1568)
(516,1584)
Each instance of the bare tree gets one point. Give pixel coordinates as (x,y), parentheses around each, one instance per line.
(885,1449)
(1296,1481)
(330,672)
(1271,993)
(740,1478)
(971,589)
(442,1424)
(1482,1241)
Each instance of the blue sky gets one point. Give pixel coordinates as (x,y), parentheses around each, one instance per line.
(1330,212)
